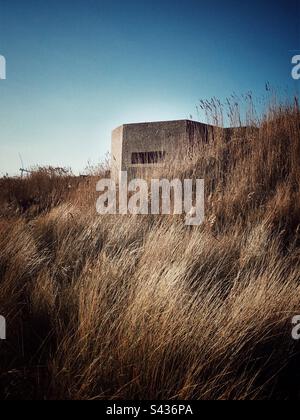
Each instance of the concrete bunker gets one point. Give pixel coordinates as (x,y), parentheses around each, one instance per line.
(138,147)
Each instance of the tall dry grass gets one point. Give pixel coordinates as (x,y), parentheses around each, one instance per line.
(142,307)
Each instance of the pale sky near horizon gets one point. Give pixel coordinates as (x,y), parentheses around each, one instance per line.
(78,69)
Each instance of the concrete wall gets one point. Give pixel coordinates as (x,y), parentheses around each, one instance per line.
(116,152)
(164,137)
(168,137)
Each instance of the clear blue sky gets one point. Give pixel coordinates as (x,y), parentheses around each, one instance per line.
(78,68)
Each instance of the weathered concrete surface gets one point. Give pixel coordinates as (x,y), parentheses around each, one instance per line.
(152,140)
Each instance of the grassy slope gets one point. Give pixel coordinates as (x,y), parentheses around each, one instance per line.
(144,307)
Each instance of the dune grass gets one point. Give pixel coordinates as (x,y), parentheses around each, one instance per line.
(143,307)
